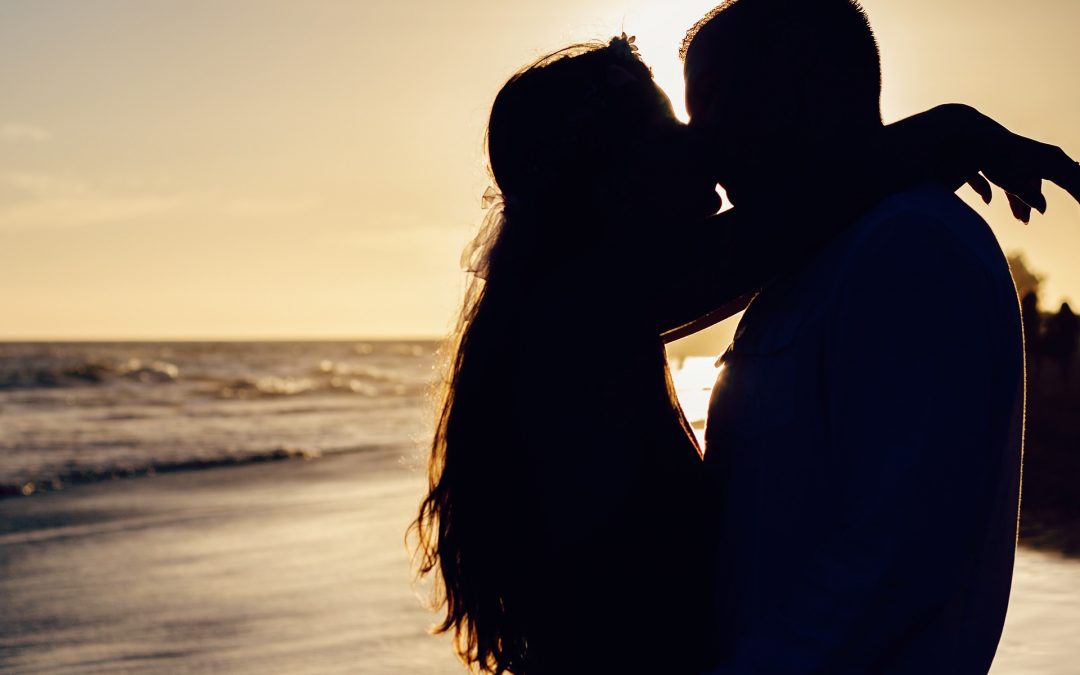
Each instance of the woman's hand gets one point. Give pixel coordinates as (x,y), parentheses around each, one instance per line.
(957,144)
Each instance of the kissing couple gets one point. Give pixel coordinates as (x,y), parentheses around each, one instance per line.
(854,509)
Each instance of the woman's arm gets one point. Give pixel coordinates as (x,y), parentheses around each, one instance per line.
(727,258)
(955,144)
(726,261)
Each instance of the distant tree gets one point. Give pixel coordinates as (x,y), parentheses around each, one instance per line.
(1027,281)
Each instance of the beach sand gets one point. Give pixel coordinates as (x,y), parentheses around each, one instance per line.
(295,567)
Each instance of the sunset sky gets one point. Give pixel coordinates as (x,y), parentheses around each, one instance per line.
(272,169)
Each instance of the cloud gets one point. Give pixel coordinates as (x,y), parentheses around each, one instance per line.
(256,207)
(31,201)
(13,132)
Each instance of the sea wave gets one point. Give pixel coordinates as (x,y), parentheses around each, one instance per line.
(280,387)
(329,377)
(84,475)
(24,375)
(76,413)
(357,371)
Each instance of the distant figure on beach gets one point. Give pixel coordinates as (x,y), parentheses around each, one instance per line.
(572,526)
(1061,341)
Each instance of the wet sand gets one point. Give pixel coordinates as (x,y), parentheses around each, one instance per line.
(289,568)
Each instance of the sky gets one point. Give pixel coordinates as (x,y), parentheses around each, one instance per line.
(312,169)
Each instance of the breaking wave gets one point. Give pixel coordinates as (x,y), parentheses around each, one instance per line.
(329,377)
(82,476)
(21,375)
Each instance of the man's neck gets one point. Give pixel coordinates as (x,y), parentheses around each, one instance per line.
(854,166)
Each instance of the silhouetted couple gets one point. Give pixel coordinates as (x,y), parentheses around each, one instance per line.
(856,508)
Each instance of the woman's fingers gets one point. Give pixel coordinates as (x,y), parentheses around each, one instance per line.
(1020,210)
(1022,183)
(1061,169)
(1030,192)
(981,186)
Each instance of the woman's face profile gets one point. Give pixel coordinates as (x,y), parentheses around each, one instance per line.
(676,177)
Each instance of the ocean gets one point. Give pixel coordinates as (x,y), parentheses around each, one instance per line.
(242,508)
(73,413)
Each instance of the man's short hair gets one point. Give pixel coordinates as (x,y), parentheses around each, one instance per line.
(842,37)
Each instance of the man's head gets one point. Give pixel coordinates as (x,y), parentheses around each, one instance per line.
(782,81)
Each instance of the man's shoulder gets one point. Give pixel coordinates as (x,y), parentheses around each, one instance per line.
(913,221)
(906,238)
(914,226)
(929,200)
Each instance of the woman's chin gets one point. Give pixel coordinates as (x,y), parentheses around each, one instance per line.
(710,204)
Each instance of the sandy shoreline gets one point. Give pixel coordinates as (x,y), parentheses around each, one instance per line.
(282,568)
(287,568)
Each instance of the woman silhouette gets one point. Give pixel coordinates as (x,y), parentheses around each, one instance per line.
(563,516)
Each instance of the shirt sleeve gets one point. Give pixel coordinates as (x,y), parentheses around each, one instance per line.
(908,362)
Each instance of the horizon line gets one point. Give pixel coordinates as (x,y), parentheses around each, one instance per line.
(114,339)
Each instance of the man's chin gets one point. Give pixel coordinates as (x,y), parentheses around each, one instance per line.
(710,204)
(754,175)
(749,191)
(740,195)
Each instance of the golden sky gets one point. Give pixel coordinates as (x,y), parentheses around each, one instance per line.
(261,168)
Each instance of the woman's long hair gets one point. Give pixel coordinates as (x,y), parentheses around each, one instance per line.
(557,130)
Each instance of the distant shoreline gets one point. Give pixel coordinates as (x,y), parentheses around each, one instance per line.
(227,340)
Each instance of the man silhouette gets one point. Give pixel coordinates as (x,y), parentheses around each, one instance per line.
(865,435)
(1062,333)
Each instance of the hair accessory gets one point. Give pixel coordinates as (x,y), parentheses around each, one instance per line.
(625,47)
(490,198)
(476,258)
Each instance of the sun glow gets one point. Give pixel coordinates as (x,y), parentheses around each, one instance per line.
(314,169)
(660,28)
